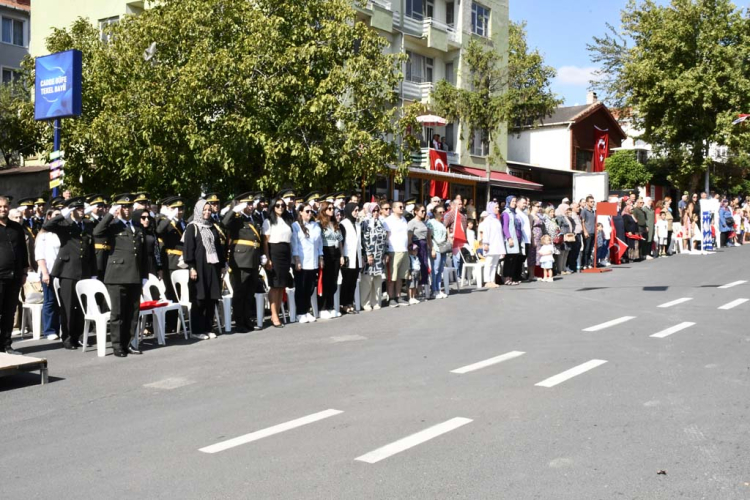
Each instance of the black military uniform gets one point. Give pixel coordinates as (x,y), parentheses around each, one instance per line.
(290,214)
(101,245)
(246,247)
(409,215)
(169,231)
(215,203)
(27,221)
(127,269)
(58,203)
(39,218)
(75,261)
(259,211)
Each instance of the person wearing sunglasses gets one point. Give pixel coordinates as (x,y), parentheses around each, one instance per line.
(332,259)
(374,246)
(277,245)
(352,252)
(307,253)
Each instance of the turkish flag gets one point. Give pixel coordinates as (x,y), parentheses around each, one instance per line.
(617,247)
(601,148)
(439,163)
(459,235)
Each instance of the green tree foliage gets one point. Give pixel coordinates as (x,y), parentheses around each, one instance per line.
(498,93)
(238,95)
(19,133)
(625,172)
(682,69)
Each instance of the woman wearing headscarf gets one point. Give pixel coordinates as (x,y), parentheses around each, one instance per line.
(512,233)
(307,252)
(493,244)
(352,256)
(374,245)
(205,258)
(277,245)
(333,246)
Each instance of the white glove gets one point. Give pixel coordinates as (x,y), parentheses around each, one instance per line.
(151,213)
(239,207)
(164,211)
(114,208)
(173,213)
(65,212)
(224,211)
(94,277)
(263,260)
(88,208)
(143,283)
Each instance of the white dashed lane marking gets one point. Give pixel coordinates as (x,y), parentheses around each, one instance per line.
(413,440)
(671,330)
(614,322)
(573,372)
(733,304)
(488,362)
(675,302)
(733,283)
(270,431)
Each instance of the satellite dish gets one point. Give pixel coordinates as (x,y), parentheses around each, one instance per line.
(149,53)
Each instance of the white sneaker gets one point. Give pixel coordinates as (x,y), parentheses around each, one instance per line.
(199,336)
(311,318)
(325,315)
(335,314)
(376,308)
(303,319)
(394,303)
(52,336)
(212,335)
(413,301)
(367,308)
(403,302)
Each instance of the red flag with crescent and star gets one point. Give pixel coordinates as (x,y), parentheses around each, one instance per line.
(439,163)
(601,148)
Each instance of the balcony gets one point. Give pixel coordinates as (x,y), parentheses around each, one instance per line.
(417,91)
(422,158)
(439,35)
(380,14)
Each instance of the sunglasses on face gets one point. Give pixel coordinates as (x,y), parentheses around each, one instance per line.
(386,208)
(279,205)
(307,211)
(144,217)
(376,210)
(439,213)
(329,208)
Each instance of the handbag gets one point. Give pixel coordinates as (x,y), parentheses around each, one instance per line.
(558,239)
(569,237)
(445,246)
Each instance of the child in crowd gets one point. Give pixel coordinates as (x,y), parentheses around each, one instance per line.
(602,246)
(662,232)
(547,259)
(415,274)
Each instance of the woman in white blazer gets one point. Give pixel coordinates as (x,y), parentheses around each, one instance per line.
(352,256)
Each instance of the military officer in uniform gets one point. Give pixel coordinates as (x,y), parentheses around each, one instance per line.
(313,199)
(409,208)
(169,230)
(290,215)
(245,252)
(26,206)
(127,270)
(58,203)
(142,201)
(214,202)
(95,210)
(39,212)
(75,261)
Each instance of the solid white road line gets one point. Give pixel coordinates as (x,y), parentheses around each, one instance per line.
(413,440)
(671,330)
(488,362)
(733,304)
(568,374)
(614,322)
(733,283)
(270,431)
(675,302)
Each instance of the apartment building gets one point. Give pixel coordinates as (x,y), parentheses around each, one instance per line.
(14,37)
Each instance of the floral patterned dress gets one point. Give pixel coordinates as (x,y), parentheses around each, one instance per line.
(373,243)
(537,231)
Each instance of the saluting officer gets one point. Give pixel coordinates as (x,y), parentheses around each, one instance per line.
(39,213)
(95,211)
(259,208)
(313,199)
(75,261)
(214,202)
(142,201)
(244,260)
(290,214)
(127,270)
(169,231)
(26,206)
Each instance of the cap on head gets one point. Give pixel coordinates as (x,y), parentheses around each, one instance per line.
(26,202)
(339,196)
(286,193)
(57,202)
(40,201)
(96,199)
(245,197)
(328,197)
(176,202)
(142,197)
(410,201)
(313,197)
(212,198)
(123,199)
(77,202)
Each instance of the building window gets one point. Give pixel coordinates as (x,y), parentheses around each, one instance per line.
(13,31)
(429,8)
(104,24)
(584,160)
(450,13)
(419,68)
(415,9)
(10,76)
(480,20)
(450,73)
(480,145)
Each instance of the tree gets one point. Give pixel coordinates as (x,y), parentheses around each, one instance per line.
(625,171)
(237,95)
(497,93)
(19,133)
(683,71)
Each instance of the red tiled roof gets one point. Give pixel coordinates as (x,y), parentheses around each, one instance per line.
(18,4)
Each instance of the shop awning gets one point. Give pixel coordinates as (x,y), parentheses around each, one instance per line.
(498,178)
(459,177)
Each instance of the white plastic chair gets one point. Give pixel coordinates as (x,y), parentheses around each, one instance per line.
(261,302)
(476,272)
(448,273)
(56,287)
(92,314)
(180,280)
(225,305)
(34,313)
(161,312)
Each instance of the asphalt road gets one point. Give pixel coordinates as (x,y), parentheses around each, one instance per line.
(402,424)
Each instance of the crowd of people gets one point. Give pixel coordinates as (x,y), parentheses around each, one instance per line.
(390,252)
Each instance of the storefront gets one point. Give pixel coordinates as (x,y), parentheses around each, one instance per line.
(419,183)
(500,186)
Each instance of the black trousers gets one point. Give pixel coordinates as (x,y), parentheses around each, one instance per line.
(511,264)
(202,316)
(724,238)
(348,285)
(71,312)
(588,249)
(244,284)
(123,319)
(9,290)
(331,266)
(305,282)
(575,250)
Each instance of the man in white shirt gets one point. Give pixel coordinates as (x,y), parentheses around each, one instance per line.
(45,251)
(398,256)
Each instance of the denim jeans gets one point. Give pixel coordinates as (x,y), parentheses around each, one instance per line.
(50,314)
(437,264)
(603,251)
(458,263)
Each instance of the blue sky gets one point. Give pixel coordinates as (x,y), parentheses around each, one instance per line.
(560,29)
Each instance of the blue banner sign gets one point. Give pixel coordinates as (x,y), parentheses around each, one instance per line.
(58,85)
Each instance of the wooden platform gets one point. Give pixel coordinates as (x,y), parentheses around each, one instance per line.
(11,364)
